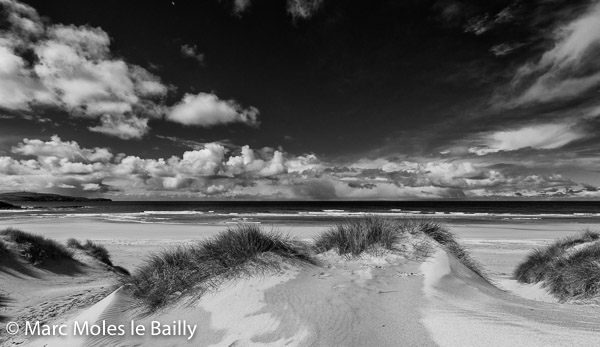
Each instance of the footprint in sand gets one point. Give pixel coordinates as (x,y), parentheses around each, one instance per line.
(324,275)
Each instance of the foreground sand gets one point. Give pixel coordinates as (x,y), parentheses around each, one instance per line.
(373,301)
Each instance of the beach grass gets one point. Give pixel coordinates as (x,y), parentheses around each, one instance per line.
(356,236)
(565,268)
(243,250)
(73,243)
(246,250)
(93,249)
(35,248)
(536,265)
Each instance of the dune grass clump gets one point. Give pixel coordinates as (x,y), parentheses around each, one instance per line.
(356,236)
(35,248)
(540,260)
(568,272)
(243,250)
(73,243)
(94,250)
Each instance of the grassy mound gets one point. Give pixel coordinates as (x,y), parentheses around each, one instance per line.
(356,236)
(240,251)
(35,248)
(92,249)
(246,250)
(567,272)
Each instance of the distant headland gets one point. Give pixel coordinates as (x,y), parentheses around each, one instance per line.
(12,197)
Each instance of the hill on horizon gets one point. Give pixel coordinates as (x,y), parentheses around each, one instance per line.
(43,197)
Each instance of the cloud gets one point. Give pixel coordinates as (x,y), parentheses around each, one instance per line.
(362,185)
(453,178)
(71,68)
(240,6)
(196,169)
(126,128)
(23,18)
(18,86)
(91,187)
(97,169)
(63,149)
(303,9)
(479,25)
(302,164)
(59,164)
(544,136)
(196,144)
(298,9)
(317,189)
(505,48)
(486,22)
(208,110)
(567,70)
(191,51)
(215,170)
(215,189)
(248,164)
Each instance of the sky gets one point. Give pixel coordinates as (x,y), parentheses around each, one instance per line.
(301,99)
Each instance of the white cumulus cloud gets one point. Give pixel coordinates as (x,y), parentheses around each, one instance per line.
(75,71)
(206,109)
(55,147)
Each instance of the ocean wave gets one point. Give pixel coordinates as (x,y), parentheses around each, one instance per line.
(213,216)
(173,212)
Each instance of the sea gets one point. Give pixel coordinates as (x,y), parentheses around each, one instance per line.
(299,212)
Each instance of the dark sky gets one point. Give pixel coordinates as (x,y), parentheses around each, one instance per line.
(333,99)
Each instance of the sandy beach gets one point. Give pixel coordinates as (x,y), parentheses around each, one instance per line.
(372,300)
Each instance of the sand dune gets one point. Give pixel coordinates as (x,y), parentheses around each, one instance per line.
(462,310)
(51,293)
(370,301)
(383,300)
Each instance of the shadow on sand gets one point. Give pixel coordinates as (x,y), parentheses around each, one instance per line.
(3,303)
(11,264)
